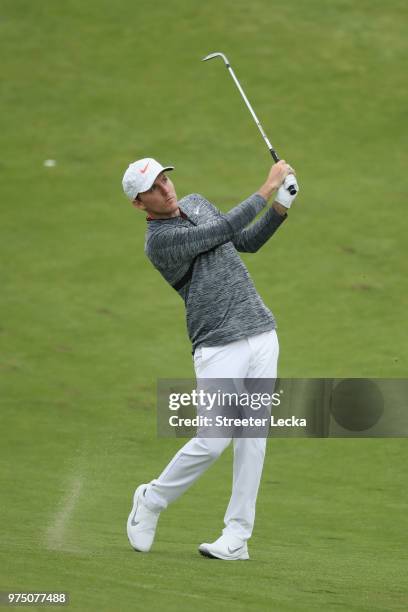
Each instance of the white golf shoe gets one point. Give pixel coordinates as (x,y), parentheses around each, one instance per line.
(228,548)
(142,522)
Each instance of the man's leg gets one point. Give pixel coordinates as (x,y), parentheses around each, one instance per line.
(189,463)
(193,459)
(249,453)
(183,470)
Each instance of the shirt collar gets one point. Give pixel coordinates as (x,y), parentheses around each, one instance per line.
(182,215)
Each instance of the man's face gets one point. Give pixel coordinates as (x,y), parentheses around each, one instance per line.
(160,201)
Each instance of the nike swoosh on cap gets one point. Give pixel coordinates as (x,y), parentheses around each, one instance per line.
(143,170)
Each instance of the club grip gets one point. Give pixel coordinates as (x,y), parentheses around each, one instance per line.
(274,154)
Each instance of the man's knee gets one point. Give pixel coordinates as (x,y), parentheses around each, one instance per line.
(215,446)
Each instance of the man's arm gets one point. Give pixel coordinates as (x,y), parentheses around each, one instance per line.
(252,238)
(178,243)
(175,244)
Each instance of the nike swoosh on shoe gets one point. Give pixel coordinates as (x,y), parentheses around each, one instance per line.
(235,549)
(133,522)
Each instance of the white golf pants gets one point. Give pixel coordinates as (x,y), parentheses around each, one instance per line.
(251,357)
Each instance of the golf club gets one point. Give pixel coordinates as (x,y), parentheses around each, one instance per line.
(290,188)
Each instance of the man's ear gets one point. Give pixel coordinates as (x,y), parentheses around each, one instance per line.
(137,203)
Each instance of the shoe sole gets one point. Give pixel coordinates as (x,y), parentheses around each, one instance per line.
(206,553)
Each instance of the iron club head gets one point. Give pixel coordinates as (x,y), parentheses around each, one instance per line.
(217,54)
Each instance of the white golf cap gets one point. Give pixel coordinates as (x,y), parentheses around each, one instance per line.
(141,175)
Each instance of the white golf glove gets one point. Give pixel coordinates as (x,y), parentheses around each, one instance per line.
(283,196)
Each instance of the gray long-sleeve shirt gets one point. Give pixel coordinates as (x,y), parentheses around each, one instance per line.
(197,254)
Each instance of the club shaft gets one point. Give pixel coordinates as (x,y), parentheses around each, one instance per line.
(251,110)
(291,188)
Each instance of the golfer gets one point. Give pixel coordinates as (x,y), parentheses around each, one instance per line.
(195,248)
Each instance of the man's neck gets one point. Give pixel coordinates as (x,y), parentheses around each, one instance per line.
(154,216)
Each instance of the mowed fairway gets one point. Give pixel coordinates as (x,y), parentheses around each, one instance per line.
(87,326)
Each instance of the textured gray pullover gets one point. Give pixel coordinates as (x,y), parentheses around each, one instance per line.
(197,254)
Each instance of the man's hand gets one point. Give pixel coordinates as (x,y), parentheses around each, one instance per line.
(284,197)
(276,177)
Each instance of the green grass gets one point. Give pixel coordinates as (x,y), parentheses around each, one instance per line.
(87,326)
